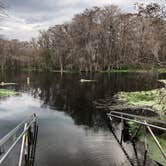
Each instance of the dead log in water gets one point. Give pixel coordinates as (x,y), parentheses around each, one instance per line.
(84,80)
(6,84)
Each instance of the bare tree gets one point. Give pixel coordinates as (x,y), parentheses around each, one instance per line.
(98,39)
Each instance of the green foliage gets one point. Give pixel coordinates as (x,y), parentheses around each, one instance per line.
(154,152)
(48,58)
(154,99)
(140,96)
(133,128)
(162,70)
(6,92)
(91,42)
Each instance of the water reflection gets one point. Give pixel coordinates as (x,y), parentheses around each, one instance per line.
(18,106)
(71,130)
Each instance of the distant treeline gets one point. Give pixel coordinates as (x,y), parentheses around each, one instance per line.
(98,39)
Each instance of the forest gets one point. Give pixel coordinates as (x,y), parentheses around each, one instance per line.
(98,39)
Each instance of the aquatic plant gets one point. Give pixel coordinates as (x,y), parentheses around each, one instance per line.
(154,99)
(6,92)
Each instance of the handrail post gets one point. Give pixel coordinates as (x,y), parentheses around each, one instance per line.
(142,121)
(157,142)
(26,149)
(34,141)
(146,146)
(1,150)
(27,141)
(122,127)
(22,146)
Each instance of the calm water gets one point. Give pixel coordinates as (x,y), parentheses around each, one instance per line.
(71,130)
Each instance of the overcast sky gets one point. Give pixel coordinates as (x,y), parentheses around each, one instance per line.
(27,17)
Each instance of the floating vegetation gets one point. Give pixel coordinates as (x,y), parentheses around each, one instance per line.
(6,92)
(154,99)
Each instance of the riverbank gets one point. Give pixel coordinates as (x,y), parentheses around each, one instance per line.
(47,70)
(154,100)
(153,151)
(160,71)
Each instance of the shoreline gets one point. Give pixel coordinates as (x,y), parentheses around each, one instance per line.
(157,70)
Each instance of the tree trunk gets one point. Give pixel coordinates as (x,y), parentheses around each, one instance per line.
(61,65)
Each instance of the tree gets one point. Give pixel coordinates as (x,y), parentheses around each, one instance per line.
(97,39)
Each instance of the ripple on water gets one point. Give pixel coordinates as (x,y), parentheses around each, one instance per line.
(103,149)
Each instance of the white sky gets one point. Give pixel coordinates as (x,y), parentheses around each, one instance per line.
(27,17)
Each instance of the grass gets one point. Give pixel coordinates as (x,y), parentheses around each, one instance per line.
(135,97)
(138,99)
(6,92)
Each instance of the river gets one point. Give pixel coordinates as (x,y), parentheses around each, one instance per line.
(71,130)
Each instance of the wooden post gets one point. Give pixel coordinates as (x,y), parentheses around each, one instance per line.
(28,80)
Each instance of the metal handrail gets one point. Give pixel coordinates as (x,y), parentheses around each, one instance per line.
(139,122)
(28,124)
(138,117)
(120,115)
(12,132)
